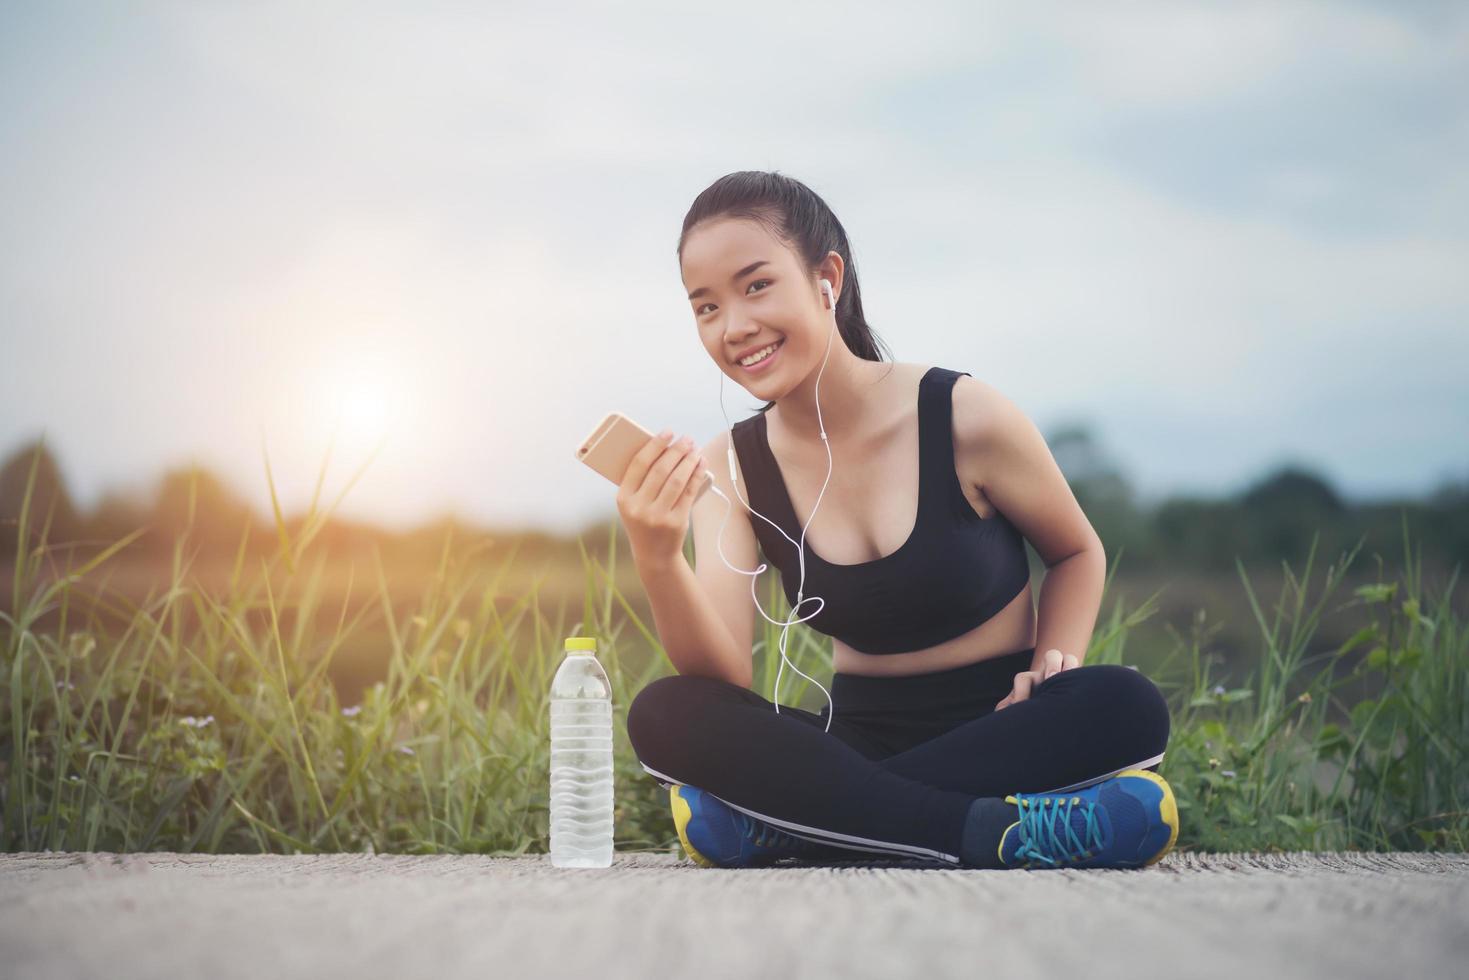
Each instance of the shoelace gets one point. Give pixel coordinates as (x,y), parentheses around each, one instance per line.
(1039,839)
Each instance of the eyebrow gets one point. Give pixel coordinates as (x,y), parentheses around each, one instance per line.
(734,278)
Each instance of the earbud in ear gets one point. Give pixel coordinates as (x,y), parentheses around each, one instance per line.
(831,302)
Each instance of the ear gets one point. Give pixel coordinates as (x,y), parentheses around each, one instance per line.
(832,269)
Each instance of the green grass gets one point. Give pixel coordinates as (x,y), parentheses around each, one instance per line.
(198,721)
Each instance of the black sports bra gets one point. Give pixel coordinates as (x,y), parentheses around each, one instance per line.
(955,571)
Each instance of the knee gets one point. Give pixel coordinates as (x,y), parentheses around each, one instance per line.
(1138,697)
(662,714)
(1131,701)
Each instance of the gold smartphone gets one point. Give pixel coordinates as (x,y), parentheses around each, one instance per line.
(613,444)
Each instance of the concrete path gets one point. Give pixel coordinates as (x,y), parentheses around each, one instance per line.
(262,917)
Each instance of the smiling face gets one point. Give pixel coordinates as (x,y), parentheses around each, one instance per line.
(748,290)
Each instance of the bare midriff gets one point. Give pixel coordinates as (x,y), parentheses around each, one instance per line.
(1009,630)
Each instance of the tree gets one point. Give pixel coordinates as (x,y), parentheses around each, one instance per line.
(192,498)
(1284,509)
(49,499)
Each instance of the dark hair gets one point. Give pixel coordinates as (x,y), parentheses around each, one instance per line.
(797,216)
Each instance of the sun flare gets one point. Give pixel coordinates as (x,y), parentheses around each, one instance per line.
(362,401)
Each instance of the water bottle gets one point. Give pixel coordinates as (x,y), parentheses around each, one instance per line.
(581,759)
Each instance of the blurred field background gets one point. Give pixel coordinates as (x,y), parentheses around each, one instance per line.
(205,681)
(1182,553)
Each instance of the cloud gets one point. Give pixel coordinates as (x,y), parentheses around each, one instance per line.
(1168,55)
(1214,229)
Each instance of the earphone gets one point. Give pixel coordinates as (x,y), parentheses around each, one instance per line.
(831,305)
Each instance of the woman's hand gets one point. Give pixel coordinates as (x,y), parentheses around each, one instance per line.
(1056,661)
(655,497)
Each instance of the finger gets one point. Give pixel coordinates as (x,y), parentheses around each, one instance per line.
(698,479)
(660,486)
(1023,683)
(1008,699)
(1053,663)
(681,482)
(684,506)
(1070,662)
(643,459)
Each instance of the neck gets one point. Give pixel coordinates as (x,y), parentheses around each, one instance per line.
(848,405)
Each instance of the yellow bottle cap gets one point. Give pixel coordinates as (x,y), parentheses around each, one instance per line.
(581,643)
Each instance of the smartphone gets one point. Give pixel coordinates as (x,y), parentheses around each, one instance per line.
(613,444)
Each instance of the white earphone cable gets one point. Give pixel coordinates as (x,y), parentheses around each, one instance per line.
(801,546)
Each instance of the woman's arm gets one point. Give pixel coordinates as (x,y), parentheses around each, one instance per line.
(1071,595)
(1021,478)
(694,635)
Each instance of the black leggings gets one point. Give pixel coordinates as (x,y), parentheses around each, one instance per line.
(906,756)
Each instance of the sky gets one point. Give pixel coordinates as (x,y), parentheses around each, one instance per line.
(439,240)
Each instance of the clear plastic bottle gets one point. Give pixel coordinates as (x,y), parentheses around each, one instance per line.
(581,759)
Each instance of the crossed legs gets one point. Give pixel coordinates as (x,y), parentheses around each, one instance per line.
(1075,729)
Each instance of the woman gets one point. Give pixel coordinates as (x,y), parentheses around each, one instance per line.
(965,729)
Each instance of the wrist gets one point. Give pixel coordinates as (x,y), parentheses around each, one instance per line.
(652,568)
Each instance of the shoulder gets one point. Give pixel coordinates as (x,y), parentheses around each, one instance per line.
(719,443)
(715,454)
(738,434)
(984,417)
(717,450)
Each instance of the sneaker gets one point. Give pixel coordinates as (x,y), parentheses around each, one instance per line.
(1128,821)
(716,835)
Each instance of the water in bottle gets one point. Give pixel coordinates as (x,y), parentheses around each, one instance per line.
(581,759)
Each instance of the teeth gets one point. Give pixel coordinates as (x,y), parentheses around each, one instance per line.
(759,355)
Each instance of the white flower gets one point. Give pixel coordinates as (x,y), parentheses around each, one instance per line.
(1218,689)
(353,711)
(190,721)
(1227,773)
(406,750)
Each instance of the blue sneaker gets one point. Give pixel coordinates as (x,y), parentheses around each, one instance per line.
(716,835)
(1127,821)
